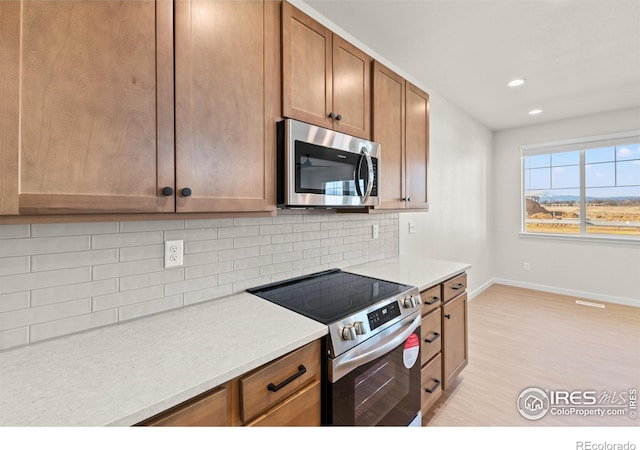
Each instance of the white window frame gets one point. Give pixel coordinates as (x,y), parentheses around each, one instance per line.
(580,144)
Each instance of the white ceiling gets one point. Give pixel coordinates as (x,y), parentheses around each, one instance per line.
(579,56)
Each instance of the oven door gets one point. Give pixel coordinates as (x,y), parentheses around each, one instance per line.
(377,383)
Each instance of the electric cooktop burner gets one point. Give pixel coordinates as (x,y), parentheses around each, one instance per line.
(330,295)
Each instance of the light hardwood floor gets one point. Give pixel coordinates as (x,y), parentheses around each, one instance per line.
(520,338)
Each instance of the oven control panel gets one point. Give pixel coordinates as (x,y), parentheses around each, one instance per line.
(383,315)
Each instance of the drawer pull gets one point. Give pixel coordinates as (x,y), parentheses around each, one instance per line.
(301,371)
(434,387)
(436,335)
(457,286)
(434,299)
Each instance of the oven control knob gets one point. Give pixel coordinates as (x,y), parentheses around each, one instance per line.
(409,302)
(349,333)
(359,327)
(417,299)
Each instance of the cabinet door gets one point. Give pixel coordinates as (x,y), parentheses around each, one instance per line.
(226,82)
(351,89)
(388,130)
(91,103)
(211,409)
(306,68)
(417,147)
(454,334)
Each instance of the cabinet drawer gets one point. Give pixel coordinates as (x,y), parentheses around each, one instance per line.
(277,380)
(431,329)
(211,409)
(302,409)
(454,287)
(431,298)
(431,383)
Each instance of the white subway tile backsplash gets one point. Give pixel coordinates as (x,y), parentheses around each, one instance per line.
(150,279)
(110,301)
(73,291)
(37,280)
(33,315)
(61,327)
(12,266)
(73,229)
(101,272)
(126,239)
(151,307)
(40,246)
(70,260)
(14,231)
(17,300)
(14,338)
(51,275)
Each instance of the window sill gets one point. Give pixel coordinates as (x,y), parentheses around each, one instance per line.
(582,238)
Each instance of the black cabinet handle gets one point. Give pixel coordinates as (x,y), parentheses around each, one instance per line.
(186,192)
(167,191)
(435,337)
(448,316)
(406,199)
(339,117)
(434,387)
(457,286)
(301,371)
(332,115)
(434,299)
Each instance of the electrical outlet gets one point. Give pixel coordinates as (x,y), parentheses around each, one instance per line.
(375,231)
(173,253)
(412,227)
(525,266)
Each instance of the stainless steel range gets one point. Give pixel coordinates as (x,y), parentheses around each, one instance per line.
(371,375)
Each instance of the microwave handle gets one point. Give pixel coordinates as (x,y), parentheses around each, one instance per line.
(366,155)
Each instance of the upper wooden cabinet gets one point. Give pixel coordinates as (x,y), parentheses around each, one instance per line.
(326,80)
(87,118)
(401,126)
(227,92)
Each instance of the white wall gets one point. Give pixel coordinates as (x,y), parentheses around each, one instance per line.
(457,225)
(599,270)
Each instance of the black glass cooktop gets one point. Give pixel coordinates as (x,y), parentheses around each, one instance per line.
(330,295)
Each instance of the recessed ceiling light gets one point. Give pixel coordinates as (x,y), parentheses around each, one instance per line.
(516,82)
(535,112)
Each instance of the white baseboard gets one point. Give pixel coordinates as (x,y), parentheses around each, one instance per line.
(477,291)
(562,291)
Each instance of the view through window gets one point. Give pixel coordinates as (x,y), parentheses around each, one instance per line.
(587,187)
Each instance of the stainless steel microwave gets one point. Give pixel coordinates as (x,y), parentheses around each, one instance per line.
(318,167)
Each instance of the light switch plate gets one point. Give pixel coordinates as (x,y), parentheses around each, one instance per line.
(412,227)
(375,231)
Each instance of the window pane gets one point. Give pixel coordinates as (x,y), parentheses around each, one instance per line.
(595,155)
(627,152)
(628,173)
(538,179)
(565,177)
(613,211)
(539,161)
(554,211)
(602,174)
(565,158)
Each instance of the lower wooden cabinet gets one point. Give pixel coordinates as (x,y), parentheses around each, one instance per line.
(454,344)
(283,392)
(443,348)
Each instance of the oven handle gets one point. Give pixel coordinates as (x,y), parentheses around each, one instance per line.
(372,348)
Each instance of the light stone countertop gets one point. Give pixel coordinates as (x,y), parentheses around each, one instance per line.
(120,375)
(413,270)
